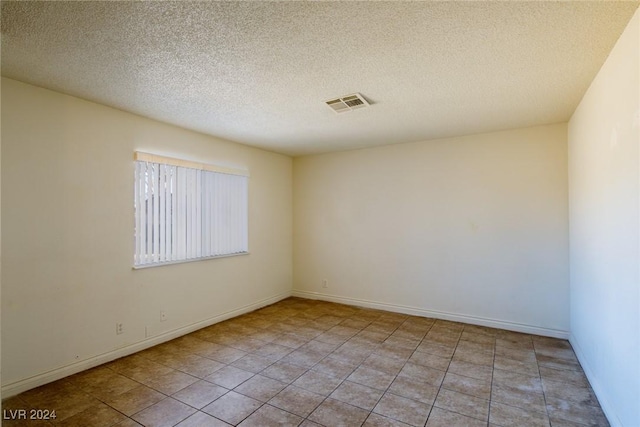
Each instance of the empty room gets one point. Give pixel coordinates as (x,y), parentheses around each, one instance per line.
(320,213)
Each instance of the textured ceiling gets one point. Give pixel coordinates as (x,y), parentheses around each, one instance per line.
(258,72)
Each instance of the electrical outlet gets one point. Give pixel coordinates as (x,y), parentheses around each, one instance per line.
(119,328)
(325,283)
(163,315)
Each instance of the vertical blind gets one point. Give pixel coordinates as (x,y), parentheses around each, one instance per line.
(184,213)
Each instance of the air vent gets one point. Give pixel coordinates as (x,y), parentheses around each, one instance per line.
(347,103)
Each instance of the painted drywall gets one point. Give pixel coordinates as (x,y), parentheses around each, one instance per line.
(604,197)
(471,228)
(67,243)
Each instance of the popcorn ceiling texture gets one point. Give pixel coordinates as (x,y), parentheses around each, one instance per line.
(258,72)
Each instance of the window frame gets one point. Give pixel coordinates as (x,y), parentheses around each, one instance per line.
(192,196)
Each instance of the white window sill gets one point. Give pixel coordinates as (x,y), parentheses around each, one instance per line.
(162,264)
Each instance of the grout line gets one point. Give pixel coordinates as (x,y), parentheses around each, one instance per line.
(493,370)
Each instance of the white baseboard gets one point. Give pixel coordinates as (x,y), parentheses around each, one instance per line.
(16,387)
(511,326)
(605,403)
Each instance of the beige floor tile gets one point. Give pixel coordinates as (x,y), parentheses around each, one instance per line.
(557,363)
(510,416)
(354,351)
(166,413)
(428,375)
(402,409)
(111,386)
(304,358)
(557,353)
(284,371)
(127,423)
(430,360)
(126,362)
(318,383)
(381,328)
(570,392)
(355,323)
(171,382)
(66,404)
(401,342)
(516,354)
(269,416)
(252,363)
(343,331)
(394,352)
(436,348)
(516,380)
(145,371)
(260,388)
(529,400)
(506,364)
(224,354)
(200,394)
(297,400)
(576,378)
(556,422)
(371,377)
(54,392)
(443,418)
(475,347)
(376,420)
(477,337)
(573,411)
(229,377)
(383,364)
(371,337)
(444,338)
(464,404)
(320,347)
(357,395)
(335,367)
(90,377)
(200,419)
(272,351)
(232,407)
(291,341)
(266,335)
(99,415)
(472,370)
(247,344)
(135,400)
(483,358)
(196,366)
(414,388)
(467,385)
(335,413)
(503,341)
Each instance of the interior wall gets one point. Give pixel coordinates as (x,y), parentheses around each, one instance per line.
(471,228)
(604,197)
(67,243)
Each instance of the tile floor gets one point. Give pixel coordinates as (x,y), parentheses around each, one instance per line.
(310,363)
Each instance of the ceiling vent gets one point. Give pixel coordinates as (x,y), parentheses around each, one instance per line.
(347,103)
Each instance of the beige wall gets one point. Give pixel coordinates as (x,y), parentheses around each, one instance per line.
(471,228)
(604,199)
(67,243)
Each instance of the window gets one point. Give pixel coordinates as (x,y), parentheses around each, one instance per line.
(187,211)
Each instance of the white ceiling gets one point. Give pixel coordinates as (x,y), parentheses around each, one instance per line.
(258,72)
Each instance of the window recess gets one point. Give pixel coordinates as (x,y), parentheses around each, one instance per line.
(188,211)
